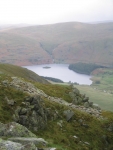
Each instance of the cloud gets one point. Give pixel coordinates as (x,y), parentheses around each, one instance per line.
(52,11)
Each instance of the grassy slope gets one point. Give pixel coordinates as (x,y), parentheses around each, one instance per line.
(13,70)
(63,42)
(21,50)
(62,138)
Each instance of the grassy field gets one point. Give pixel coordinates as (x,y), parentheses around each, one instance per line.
(103,79)
(105,100)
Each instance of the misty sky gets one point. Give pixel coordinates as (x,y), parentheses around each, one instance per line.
(54,11)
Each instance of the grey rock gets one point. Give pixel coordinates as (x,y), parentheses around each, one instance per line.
(23,111)
(85,99)
(14,129)
(87,143)
(96,106)
(90,104)
(75,137)
(5,82)
(110,128)
(76,91)
(29,146)
(86,104)
(85,125)
(60,123)
(33,115)
(69,114)
(80,121)
(24,140)
(79,100)
(9,145)
(10,102)
(75,101)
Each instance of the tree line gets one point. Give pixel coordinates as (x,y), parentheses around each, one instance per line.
(84,68)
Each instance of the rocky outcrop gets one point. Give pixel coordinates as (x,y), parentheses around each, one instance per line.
(32,113)
(94,111)
(14,129)
(20,138)
(79,101)
(20,84)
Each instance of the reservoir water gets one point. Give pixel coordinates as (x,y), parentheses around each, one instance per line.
(60,71)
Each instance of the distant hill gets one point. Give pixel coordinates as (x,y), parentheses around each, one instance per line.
(13,70)
(58,43)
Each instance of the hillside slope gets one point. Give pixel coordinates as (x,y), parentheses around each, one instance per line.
(59,43)
(13,70)
(48,111)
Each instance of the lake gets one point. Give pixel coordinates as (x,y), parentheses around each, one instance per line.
(60,71)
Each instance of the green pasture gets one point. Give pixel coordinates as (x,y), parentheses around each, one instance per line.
(105,100)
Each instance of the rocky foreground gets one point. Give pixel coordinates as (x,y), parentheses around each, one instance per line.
(32,115)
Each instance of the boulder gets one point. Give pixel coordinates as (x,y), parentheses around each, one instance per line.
(96,106)
(9,145)
(15,130)
(76,91)
(23,111)
(79,100)
(75,101)
(68,114)
(86,104)
(10,102)
(85,99)
(90,104)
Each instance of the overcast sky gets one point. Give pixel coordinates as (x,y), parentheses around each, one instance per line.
(54,11)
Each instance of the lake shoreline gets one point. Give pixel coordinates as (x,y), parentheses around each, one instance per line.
(62,72)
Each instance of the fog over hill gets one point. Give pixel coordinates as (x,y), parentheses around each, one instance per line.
(58,43)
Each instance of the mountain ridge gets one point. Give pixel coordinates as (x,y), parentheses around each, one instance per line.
(59,43)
